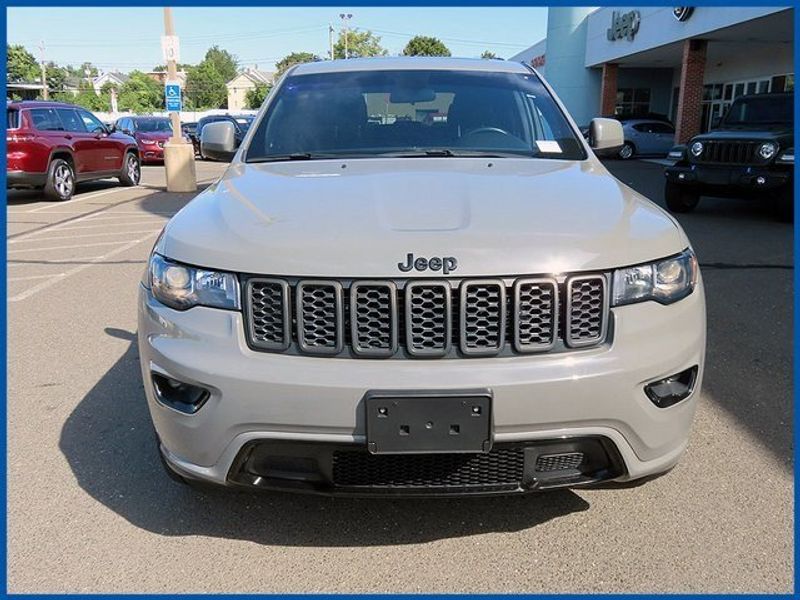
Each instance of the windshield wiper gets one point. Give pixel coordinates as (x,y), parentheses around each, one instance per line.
(448,153)
(281,157)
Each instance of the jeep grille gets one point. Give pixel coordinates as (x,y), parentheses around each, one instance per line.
(425,318)
(730,153)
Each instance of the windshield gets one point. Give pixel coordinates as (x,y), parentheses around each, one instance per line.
(760,111)
(413,113)
(151,125)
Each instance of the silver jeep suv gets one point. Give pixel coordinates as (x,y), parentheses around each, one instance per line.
(415,277)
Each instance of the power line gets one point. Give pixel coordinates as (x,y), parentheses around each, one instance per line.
(444,39)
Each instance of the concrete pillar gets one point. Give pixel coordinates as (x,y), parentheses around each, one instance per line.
(608,89)
(690,97)
(577,86)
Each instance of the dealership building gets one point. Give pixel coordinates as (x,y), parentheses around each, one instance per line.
(687,63)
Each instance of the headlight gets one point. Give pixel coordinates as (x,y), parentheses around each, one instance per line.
(665,281)
(181,286)
(697,148)
(148,142)
(787,156)
(767,150)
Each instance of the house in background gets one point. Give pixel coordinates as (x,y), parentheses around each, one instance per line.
(244,82)
(116,78)
(24,91)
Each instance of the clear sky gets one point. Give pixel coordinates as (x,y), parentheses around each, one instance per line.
(129,38)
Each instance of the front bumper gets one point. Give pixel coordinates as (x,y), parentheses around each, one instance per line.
(261,398)
(25,179)
(151,154)
(730,180)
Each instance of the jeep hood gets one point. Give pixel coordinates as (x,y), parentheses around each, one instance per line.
(360,218)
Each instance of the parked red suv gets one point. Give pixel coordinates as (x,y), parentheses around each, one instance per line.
(150,133)
(54,146)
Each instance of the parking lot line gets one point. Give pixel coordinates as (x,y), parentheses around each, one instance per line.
(83,235)
(133,222)
(80,199)
(29,277)
(46,284)
(63,247)
(54,261)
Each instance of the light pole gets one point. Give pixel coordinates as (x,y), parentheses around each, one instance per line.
(345,17)
(179,164)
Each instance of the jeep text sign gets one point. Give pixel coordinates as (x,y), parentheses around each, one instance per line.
(623,25)
(445,264)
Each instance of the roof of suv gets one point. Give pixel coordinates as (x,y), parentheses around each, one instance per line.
(410,63)
(39,104)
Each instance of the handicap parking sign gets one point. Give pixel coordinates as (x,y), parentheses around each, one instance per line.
(172,93)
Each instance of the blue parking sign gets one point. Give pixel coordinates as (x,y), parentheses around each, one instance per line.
(172,93)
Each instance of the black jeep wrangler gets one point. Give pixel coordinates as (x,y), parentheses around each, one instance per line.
(748,154)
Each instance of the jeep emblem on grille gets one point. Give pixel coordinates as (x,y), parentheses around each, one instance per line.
(445,264)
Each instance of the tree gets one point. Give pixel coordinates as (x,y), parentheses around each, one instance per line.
(21,65)
(140,94)
(255,97)
(223,61)
(205,86)
(179,67)
(422,45)
(56,77)
(295,58)
(488,55)
(359,44)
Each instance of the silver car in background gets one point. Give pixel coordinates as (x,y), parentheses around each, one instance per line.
(646,137)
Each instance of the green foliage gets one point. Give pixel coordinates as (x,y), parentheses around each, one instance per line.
(295,58)
(223,62)
(205,87)
(56,77)
(488,55)
(179,67)
(255,98)
(140,94)
(360,44)
(423,45)
(21,65)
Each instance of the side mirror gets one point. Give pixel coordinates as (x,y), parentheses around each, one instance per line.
(605,136)
(218,141)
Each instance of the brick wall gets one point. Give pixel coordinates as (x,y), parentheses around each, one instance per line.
(608,89)
(690,96)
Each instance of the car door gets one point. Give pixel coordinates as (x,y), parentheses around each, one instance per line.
(50,134)
(642,138)
(108,152)
(663,137)
(82,142)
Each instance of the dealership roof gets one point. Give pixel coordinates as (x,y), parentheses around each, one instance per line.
(410,63)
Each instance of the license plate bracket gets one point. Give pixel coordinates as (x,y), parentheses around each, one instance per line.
(428,422)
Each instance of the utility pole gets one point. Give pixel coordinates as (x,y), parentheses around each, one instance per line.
(172,75)
(330,40)
(345,17)
(45,93)
(178,153)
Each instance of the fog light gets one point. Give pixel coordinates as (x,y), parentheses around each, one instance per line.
(673,389)
(178,395)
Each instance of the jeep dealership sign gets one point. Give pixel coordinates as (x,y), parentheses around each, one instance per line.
(624,25)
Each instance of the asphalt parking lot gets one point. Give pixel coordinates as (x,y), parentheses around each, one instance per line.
(90,509)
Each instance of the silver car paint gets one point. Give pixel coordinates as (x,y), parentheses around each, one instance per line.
(358,218)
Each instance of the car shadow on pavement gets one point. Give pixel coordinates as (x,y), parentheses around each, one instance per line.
(23,197)
(109,443)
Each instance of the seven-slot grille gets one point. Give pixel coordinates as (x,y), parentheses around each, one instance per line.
(735,153)
(425,318)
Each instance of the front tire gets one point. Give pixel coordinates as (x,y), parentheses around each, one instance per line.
(679,199)
(60,185)
(131,170)
(626,152)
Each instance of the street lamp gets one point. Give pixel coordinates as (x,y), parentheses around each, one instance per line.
(345,17)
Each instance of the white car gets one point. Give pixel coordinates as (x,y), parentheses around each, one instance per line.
(372,301)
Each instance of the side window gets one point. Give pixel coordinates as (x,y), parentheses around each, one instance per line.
(71,120)
(661,128)
(91,122)
(642,127)
(46,119)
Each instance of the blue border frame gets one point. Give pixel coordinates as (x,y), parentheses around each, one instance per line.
(432,3)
